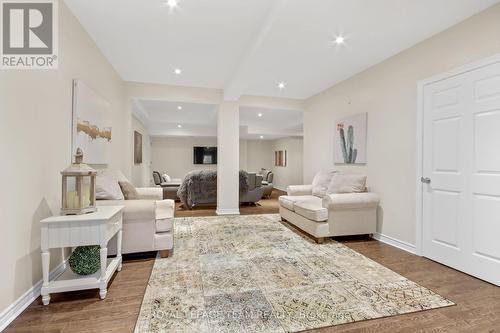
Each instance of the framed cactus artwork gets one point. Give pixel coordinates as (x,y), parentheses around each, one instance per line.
(350,140)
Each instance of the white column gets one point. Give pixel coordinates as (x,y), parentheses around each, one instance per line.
(228,158)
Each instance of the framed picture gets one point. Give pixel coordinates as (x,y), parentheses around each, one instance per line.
(280,158)
(92,131)
(350,140)
(137,147)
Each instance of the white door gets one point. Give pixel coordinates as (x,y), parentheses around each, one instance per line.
(461,172)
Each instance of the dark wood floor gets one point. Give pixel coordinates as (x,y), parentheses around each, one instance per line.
(264,206)
(477,309)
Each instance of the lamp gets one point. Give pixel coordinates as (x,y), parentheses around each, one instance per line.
(78,187)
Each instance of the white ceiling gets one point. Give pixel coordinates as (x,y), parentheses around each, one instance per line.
(163,117)
(246,47)
(273,124)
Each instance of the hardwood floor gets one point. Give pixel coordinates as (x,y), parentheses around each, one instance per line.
(264,206)
(477,309)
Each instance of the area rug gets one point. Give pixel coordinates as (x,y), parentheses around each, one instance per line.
(254,274)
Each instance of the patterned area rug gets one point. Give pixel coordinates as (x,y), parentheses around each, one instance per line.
(253,274)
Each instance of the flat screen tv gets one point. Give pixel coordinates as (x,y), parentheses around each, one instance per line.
(205,155)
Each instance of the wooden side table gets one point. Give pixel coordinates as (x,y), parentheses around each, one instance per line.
(81,230)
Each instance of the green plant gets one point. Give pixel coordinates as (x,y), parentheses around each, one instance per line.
(85,260)
(348,151)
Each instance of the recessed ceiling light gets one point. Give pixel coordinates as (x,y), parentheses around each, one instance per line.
(259,115)
(171,3)
(179,126)
(339,40)
(281,85)
(179,107)
(262,137)
(177,71)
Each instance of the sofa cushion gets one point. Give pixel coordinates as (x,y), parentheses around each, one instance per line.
(320,183)
(312,210)
(129,191)
(288,201)
(342,183)
(107,188)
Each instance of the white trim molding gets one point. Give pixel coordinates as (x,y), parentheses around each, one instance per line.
(420,136)
(16,308)
(395,242)
(226,211)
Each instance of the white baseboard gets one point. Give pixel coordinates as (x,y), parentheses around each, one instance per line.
(395,242)
(229,211)
(15,309)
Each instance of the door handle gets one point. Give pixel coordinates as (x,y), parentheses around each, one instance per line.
(425,180)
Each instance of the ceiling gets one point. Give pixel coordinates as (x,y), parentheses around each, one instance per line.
(247,47)
(162,118)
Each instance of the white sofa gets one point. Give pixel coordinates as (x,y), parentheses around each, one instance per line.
(147,222)
(327,214)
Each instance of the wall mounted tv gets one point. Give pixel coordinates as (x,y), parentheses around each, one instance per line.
(204,155)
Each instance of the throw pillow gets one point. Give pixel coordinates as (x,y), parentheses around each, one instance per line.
(129,191)
(342,183)
(166,178)
(107,188)
(321,181)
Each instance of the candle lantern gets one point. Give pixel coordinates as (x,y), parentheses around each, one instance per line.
(78,187)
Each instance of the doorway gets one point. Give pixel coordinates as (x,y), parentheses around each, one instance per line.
(458,201)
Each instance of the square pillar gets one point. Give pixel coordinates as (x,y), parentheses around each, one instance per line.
(228,158)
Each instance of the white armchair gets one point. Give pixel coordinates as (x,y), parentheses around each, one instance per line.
(147,222)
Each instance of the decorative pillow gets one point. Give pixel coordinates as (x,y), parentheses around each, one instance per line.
(166,178)
(321,181)
(129,191)
(342,183)
(107,188)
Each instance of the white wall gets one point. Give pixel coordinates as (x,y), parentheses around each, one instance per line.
(259,155)
(388,92)
(174,155)
(292,173)
(141,173)
(35,129)
(254,154)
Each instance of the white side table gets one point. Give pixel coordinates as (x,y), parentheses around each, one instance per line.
(81,230)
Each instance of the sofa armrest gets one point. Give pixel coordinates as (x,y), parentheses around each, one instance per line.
(165,209)
(294,190)
(139,210)
(347,201)
(150,193)
(144,209)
